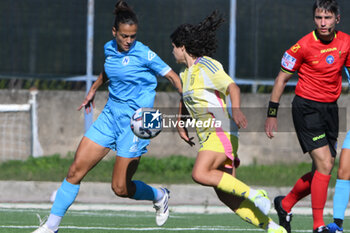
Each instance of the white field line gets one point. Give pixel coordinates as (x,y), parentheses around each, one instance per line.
(185,229)
(84,207)
(148,208)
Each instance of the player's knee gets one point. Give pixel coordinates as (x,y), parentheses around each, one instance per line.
(197,176)
(120,190)
(343,173)
(325,169)
(75,173)
(325,166)
(329,166)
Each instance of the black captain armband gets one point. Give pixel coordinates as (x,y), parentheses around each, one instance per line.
(272,109)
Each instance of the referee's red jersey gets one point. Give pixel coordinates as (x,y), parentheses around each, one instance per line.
(319,66)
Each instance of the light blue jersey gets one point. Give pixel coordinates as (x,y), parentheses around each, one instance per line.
(132,74)
(132,82)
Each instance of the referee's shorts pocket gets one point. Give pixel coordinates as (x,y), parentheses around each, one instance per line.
(313,121)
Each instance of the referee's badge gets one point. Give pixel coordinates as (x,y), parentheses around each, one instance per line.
(330,59)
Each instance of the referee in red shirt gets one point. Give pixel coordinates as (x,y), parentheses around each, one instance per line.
(318,58)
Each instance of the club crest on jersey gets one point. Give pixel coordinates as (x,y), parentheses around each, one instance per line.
(330,59)
(192,79)
(151,55)
(125,60)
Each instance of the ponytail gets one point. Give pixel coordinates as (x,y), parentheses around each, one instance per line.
(124,14)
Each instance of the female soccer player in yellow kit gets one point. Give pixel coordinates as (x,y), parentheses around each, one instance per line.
(205,86)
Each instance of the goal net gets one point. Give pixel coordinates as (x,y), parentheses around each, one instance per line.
(18,130)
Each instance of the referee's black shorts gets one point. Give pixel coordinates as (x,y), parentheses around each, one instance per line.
(316,124)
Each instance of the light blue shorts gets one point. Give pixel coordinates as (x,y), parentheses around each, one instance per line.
(346,143)
(112,130)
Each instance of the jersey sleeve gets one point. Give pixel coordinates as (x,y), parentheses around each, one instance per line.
(155,63)
(223,80)
(292,59)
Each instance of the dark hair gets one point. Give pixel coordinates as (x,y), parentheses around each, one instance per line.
(199,40)
(327,5)
(124,14)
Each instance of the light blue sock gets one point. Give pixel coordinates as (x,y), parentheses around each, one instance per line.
(144,191)
(341,198)
(65,197)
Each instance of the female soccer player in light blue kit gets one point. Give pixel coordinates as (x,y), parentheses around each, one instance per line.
(131,69)
(342,188)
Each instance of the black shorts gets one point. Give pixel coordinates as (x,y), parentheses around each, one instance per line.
(316,124)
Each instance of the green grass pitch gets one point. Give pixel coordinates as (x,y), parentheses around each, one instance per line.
(26,220)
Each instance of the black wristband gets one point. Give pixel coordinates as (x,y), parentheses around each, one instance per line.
(272,109)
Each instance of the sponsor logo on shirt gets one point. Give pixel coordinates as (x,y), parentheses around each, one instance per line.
(330,59)
(328,50)
(151,55)
(126,60)
(288,61)
(295,48)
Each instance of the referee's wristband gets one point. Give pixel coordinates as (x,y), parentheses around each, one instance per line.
(272,109)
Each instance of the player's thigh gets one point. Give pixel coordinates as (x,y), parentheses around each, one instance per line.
(88,154)
(208,160)
(219,150)
(205,170)
(124,169)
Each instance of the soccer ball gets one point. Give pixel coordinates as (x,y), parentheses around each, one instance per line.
(146,123)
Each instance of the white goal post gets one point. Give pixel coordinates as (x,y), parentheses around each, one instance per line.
(19,130)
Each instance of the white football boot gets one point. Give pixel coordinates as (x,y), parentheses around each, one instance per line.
(162,208)
(44,229)
(262,201)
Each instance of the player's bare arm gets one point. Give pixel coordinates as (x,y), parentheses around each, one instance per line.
(175,80)
(89,99)
(278,88)
(182,130)
(237,114)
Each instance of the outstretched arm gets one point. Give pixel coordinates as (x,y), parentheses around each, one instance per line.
(89,99)
(278,88)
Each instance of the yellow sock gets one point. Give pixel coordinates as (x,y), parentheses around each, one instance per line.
(230,184)
(251,214)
